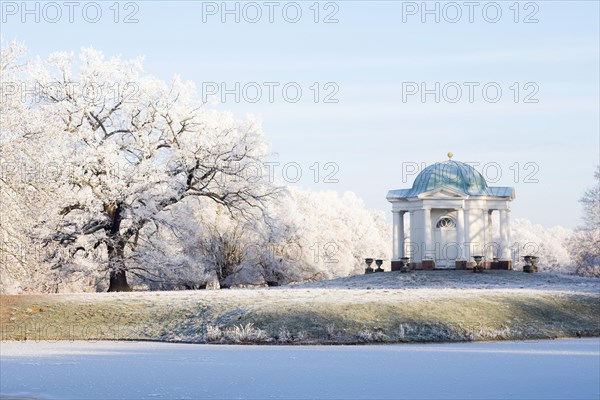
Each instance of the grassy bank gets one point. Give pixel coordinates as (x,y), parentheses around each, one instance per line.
(305,315)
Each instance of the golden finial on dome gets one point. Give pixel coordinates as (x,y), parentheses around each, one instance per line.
(450,155)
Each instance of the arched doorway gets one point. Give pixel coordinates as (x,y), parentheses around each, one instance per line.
(446,246)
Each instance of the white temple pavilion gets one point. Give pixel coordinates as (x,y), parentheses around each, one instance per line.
(450,207)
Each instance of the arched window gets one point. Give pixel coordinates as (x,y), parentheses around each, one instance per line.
(446,222)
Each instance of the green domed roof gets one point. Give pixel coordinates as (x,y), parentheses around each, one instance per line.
(457,175)
(451,174)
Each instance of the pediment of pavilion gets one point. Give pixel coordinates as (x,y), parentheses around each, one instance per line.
(444,192)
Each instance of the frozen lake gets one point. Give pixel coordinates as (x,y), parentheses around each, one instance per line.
(67,370)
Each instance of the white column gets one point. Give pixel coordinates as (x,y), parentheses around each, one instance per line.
(401,237)
(484,221)
(467,229)
(395,234)
(504,235)
(490,233)
(409,249)
(398,235)
(489,239)
(508,250)
(427,242)
(460,231)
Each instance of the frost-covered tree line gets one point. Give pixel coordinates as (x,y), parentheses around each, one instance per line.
(112,179)
(548,244)
(584,244)
(563,250)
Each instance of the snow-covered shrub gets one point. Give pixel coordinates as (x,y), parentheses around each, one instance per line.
(213,334)
(284,336)
(246,334)
(584,247)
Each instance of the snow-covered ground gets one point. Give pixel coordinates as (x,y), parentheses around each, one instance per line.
(438,306)
(452,279)
(557,369)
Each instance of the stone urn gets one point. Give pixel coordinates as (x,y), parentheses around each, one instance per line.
(534,261)
(368,261)
(529,266)
(478,267)
(379,263)
(405,264)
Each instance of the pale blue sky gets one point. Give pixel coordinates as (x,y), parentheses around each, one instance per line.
(369,54)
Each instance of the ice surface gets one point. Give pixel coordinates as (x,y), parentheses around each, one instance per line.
(557,369)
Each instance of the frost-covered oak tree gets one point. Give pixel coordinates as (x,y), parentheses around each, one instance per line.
(132,147)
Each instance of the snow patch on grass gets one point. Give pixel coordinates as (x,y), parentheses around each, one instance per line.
(238,334)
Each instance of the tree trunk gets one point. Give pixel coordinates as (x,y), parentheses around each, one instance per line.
(116,265)
(118,282)
(116,252)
